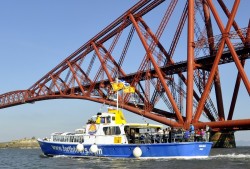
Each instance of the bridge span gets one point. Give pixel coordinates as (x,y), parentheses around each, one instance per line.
(177,83)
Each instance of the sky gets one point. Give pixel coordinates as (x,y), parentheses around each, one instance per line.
(35,36)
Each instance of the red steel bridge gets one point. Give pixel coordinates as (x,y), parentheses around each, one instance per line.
(173,52)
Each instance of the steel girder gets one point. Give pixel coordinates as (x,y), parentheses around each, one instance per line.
(77,78)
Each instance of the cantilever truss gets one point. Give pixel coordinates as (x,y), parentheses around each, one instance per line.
(146,47)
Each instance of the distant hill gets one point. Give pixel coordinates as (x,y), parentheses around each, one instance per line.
(22,143)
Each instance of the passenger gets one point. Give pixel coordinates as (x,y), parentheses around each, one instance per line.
(191,129)
(186,136)
(136,136)
(159,131)
(147,138)
(179,135)
(127,135)
(170,134)
(207,133)
(91,121)
(173,133)
(142,139)
(203,135)
(158,135)
(132,136)
(197,135)
(166,135)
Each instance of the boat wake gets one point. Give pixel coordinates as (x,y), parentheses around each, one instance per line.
(231,156)
(212,157)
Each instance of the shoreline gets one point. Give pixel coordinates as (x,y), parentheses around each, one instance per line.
(21,143)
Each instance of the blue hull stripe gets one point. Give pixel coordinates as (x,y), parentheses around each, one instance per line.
(175,150)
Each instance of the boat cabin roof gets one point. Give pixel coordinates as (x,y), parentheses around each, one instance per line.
(143,125)
(113,116)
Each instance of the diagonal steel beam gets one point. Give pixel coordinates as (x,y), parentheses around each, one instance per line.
(218,55)
(149,54)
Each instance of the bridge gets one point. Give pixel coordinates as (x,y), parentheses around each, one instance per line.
(173,63)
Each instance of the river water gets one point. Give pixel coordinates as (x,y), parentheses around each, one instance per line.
(237,158)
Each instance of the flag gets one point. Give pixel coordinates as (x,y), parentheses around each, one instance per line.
(129,89)
(117,86)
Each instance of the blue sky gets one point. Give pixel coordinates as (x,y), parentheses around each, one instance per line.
(35,36)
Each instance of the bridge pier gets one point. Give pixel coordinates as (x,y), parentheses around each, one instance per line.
(223,139)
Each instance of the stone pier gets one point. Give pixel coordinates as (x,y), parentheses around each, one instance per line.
(223,139)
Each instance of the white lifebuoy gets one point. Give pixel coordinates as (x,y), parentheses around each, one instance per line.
(79,147)
(93,148)
(137,152)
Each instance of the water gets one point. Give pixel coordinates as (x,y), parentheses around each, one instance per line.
(238,158)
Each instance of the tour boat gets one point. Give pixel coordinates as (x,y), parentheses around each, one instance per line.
(107,134)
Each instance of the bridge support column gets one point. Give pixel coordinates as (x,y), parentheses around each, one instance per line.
(223,139)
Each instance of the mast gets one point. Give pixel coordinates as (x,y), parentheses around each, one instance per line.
(117,106)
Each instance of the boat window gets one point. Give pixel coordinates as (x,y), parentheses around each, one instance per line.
(105,120)
(68,138)
(108,119)
(106,130)
(102,119)
(113,130)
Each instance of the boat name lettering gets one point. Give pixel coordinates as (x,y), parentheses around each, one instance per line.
(59,148)
(71,149)
(99,151)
